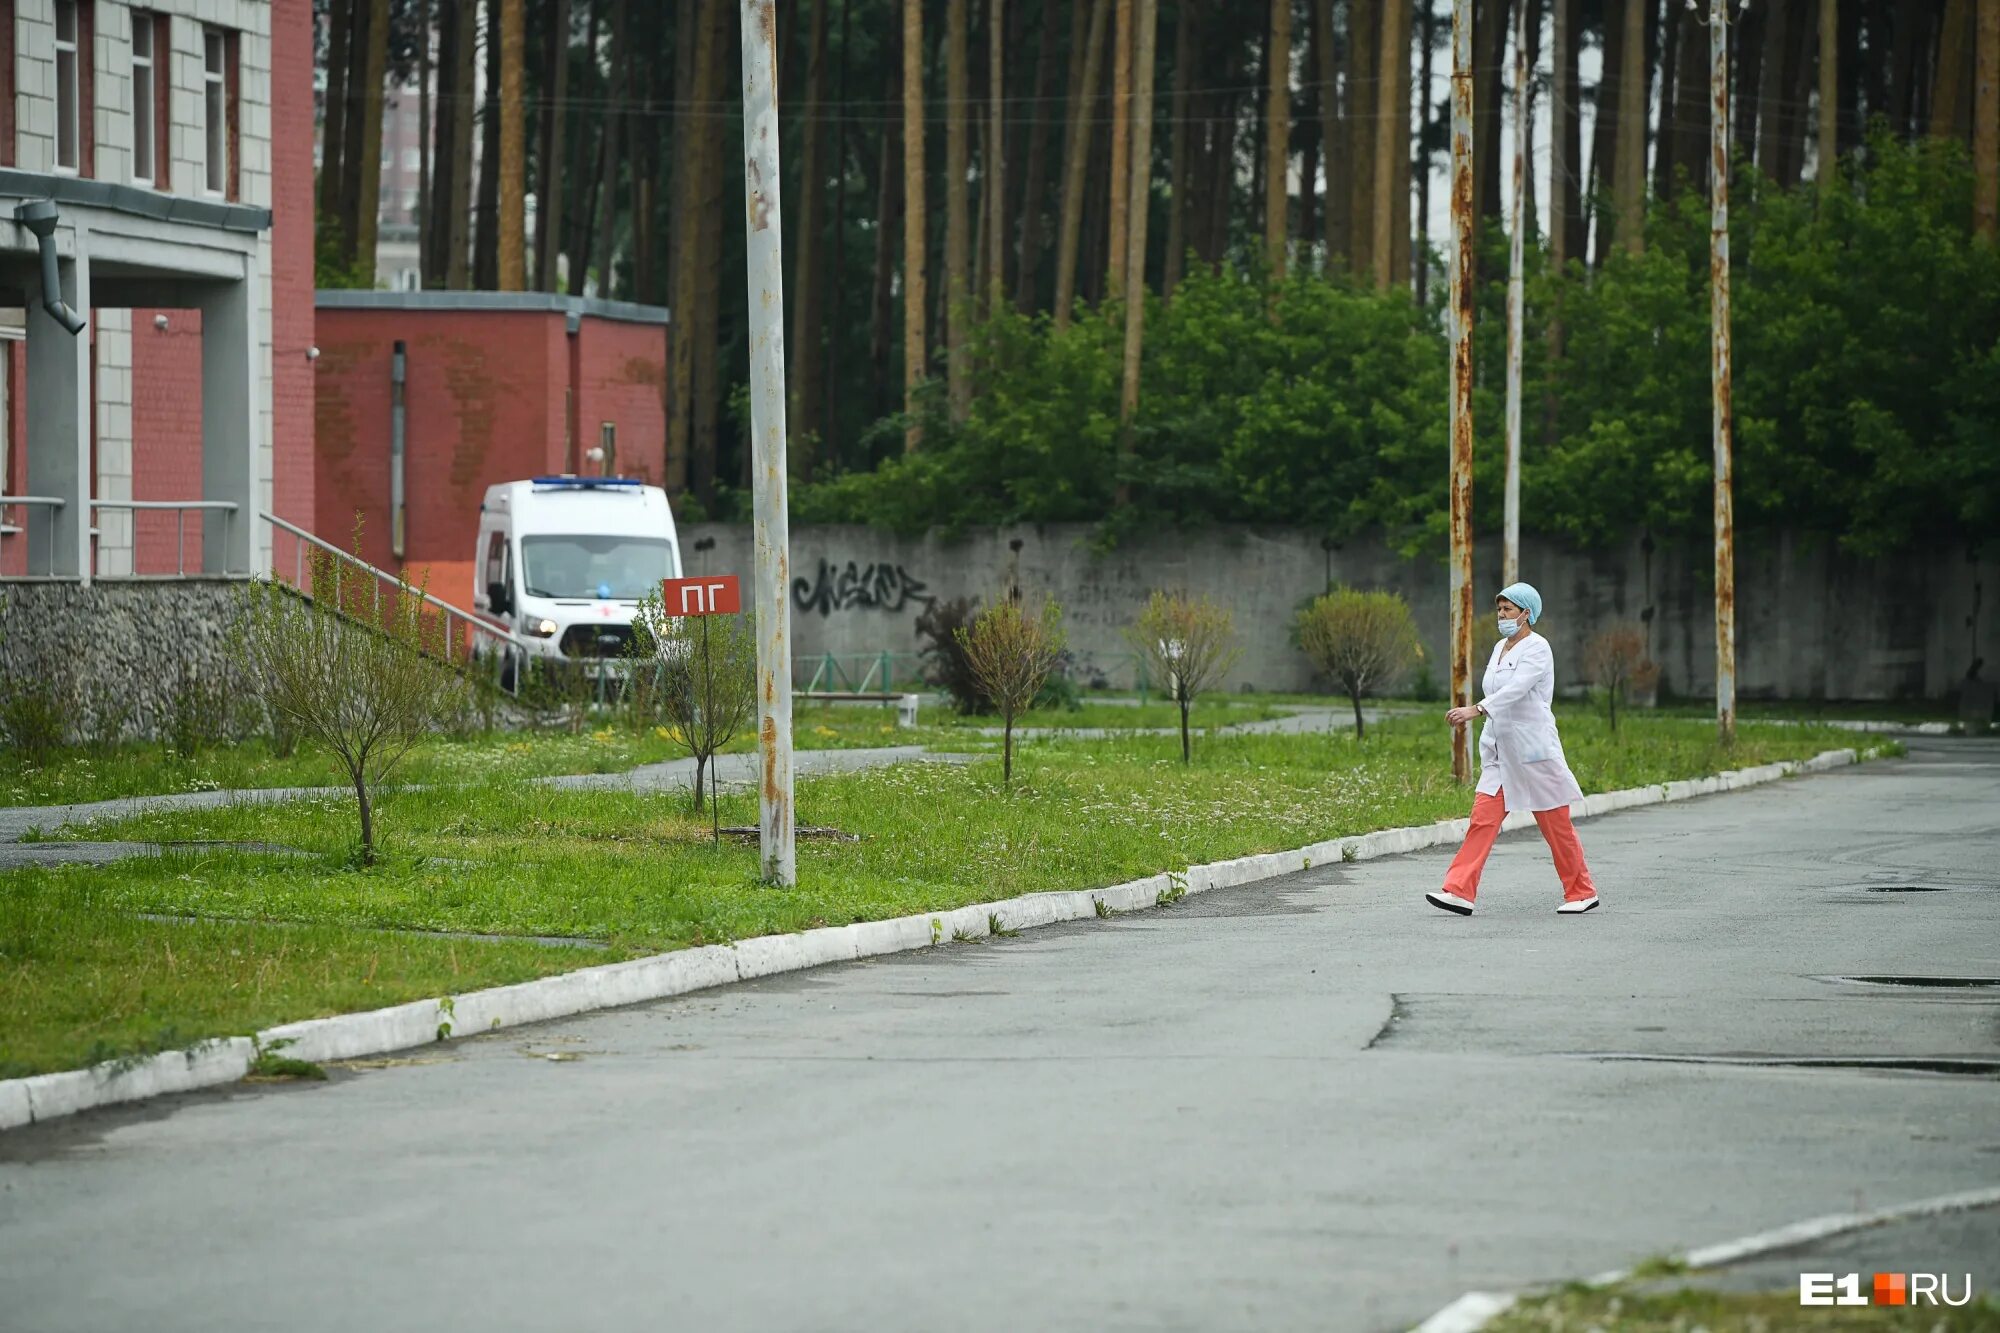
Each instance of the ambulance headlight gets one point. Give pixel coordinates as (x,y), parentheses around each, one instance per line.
(544,629)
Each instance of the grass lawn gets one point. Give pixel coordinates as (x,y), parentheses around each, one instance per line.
(81,981)
(638,872)
(608,747)
(1579,1309)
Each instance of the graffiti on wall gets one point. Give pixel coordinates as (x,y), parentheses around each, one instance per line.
(881,587)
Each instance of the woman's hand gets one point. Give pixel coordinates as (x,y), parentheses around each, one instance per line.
(1458,717)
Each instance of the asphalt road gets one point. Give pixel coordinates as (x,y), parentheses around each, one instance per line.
(1312,1104)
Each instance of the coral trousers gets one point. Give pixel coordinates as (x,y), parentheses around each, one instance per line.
(1557,830)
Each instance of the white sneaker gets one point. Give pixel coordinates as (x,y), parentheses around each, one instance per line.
(1451,902)
(1580,905)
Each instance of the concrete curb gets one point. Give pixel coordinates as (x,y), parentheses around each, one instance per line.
(1475,1309)
(662,976)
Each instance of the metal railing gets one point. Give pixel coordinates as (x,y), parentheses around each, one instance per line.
(180,508)
(28,501)
(485,642)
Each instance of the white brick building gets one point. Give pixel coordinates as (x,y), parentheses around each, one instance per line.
(148,128)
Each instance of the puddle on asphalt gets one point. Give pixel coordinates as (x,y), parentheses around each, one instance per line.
(1952,1066)
(1917,982)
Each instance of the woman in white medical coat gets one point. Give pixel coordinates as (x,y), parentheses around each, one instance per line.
(1521,765)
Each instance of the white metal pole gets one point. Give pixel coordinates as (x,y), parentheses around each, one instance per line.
(767,430)
(1510,550)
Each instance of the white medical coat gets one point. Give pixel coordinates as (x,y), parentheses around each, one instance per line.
(1520,752)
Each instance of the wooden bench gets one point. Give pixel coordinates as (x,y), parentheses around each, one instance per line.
(904,704)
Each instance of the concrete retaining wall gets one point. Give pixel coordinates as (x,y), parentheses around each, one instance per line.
(1811,623)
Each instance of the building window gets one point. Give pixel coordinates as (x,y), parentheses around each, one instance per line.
(144,132)
(69,88)
(215,109)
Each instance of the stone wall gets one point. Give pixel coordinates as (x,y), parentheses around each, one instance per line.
(121,650)
(1811,623)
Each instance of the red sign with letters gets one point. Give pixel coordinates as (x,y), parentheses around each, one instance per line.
(715,595)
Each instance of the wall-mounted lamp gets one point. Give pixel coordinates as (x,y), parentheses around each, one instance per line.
(160,323)
(312,353)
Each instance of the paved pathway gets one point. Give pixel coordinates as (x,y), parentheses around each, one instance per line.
(1315,1104)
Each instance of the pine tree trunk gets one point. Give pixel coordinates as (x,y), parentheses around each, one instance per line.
(365,157)
(1076,159)
(694,51)
(830,376)
(513,236)
(620,58)
(1307,232)
(1392,144)
(1140,189)
(957,211)
(719,76)
(804,349)
(1183,163)
(1562,146)
(881,306)
(1687,153)
(1672,25)
(423,124)
(1399,223)
(915,267)
(1951,98)
(1631,188)
(1986,116)
(436,234)
(1121,147)
(1332,135)
(1828,142)
(993,180)
(1771,118)
(1912,44)
(549,198)
(1491,23)
(333,148)
(1034,193)
(1604,140)
(486,251)
(1746,49)
(1428,41)
(1364,93)
(1797,92)
(1222,164)
(458,247)
(580,220)
(1278,137)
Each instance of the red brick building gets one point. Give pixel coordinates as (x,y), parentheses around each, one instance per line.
(497,386)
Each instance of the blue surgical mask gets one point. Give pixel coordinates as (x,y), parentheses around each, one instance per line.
(1509,628)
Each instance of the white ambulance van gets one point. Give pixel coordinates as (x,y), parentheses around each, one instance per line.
(564,561)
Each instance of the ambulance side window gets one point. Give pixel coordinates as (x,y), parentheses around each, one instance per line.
(496,559)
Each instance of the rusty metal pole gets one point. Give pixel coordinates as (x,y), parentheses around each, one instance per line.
(1462,258)
(770,530)
(1718,269)
(1510,546)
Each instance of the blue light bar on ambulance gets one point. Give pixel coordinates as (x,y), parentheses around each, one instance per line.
(589,483)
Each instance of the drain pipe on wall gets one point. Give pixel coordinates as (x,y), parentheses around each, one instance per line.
(397,375)
(39,217)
